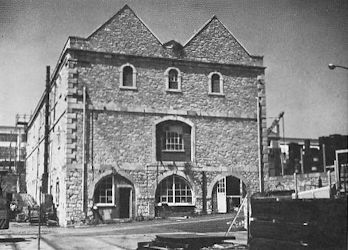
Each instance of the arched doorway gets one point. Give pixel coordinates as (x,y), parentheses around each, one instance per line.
(174,197)
(114,197)
(228,193)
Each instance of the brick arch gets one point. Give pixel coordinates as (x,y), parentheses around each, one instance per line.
(220,176)
(175,118)
(178,173)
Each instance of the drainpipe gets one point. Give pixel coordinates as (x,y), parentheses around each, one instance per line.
(46,136)
(302,161)
(204,191)
(259,141)
(324,158)
(84,153)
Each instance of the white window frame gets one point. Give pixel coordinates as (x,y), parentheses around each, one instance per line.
(177,139)
(166,74)
(112,191)
(210,84)
(163,199)
(134,86)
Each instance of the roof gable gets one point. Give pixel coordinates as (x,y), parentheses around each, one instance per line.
(215,43)
(124,33)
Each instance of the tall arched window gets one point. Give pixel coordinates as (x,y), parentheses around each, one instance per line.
(173,79)
(174,190)
(128,76)
(215,83)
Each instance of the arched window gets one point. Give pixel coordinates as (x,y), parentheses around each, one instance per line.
(173,141)
(173,79)
(104,192)
(128,76)
(174,190)
(215,83)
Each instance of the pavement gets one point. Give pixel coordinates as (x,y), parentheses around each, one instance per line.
(123,236)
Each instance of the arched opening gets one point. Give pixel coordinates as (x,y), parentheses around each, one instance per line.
(173,141)
(174,197)
(228,194)
(127,76)
(215,83)
(173,79)
(114,196)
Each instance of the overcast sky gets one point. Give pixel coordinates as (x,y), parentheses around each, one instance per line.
(297,38)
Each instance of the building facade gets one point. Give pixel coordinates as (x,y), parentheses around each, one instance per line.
(131,127)
(12,160)
(313,160)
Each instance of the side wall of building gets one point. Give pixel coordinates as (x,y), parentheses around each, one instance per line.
(35,152)
(57,145)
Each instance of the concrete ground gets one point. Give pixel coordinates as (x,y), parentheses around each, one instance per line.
(112,236)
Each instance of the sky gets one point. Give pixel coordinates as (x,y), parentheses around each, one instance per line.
(297,38)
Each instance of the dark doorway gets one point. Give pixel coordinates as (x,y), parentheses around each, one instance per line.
(125,198)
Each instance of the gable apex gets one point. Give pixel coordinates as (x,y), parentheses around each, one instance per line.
(214,18)
(123,9)
(124,33)
(214,42)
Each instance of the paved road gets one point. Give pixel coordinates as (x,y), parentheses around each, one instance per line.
(113,236)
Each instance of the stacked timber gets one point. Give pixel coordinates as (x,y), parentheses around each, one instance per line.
(298,223)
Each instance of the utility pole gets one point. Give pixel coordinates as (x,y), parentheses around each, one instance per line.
(47,127)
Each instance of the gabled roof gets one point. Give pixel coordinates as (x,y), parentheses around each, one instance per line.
(215,42)
(126,33)
(123,33)
(126,7)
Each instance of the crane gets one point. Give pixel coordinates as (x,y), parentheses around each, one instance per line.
(275,123)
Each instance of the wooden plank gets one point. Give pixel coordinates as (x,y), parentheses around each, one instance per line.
(190,241)
(271,244)
(319,222)
(298,210)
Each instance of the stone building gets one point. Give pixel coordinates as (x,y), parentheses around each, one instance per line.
(135,127)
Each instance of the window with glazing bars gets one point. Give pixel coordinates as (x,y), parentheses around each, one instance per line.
(175,190)
(103,193)
(173,141)
(173,79)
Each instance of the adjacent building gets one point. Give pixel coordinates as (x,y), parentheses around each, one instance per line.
(12,158)
(315,162)
(129,126)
